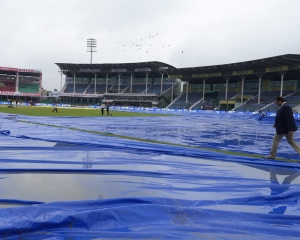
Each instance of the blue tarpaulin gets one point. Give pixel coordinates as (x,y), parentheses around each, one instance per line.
(182,176)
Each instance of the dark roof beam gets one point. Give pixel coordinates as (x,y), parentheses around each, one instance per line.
(292,58)
(288,62)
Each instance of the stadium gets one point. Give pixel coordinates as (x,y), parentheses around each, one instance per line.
(26,84)
(244,86)
(179,155)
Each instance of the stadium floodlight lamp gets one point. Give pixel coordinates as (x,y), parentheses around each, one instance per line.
(91,46)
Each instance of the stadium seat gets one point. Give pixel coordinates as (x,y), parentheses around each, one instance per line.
(157,88)
(28,88)
(100,88)
(7,86)
(136,89)
(181,103)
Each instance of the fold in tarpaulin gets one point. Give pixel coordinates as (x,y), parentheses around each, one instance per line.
(144,148)
(74,181)
(142,218)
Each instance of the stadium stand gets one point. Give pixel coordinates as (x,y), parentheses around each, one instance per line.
(230,95)
(7,86)
(80,88)
(212,103)
(28,88)
(135,89)
(265,99)
(69,88)
(293,100)
(114,88)
(100,88)
(270,83)
(157,88)
(198,105)
(181,103)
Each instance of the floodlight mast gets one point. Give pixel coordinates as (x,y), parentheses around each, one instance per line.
(91,47)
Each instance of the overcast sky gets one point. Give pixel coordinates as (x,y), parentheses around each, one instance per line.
(184,33)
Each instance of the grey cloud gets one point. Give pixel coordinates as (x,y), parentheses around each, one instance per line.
(36,34)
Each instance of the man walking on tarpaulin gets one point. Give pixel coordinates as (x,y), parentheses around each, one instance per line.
(285,126)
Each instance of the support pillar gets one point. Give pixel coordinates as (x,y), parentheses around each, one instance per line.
(131,83)
(106,88)
(131,80)
(259,90)
(95,83)
(119,82)
(106,83)
(187,79)
(172,92)
(147,73)
(95,74)
(74,84)
(203,94)
(40,85)
(243,75)
(162,81)
(242,91)
(281,85)
(61,73)
(17,82)
(226,76)
(282,73)
(226,91)
(74,74)
(260,74)
(187,92)
(203,91)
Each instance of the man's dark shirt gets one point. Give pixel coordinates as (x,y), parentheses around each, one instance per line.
(284,120)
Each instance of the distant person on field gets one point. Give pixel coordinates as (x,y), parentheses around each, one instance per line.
(107,108)
(17,102)
(55,108)
(262,115)
(102,108)
(285,126)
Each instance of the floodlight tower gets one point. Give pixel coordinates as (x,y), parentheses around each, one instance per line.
(91,46)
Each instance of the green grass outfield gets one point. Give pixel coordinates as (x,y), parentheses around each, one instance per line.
(70,112)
